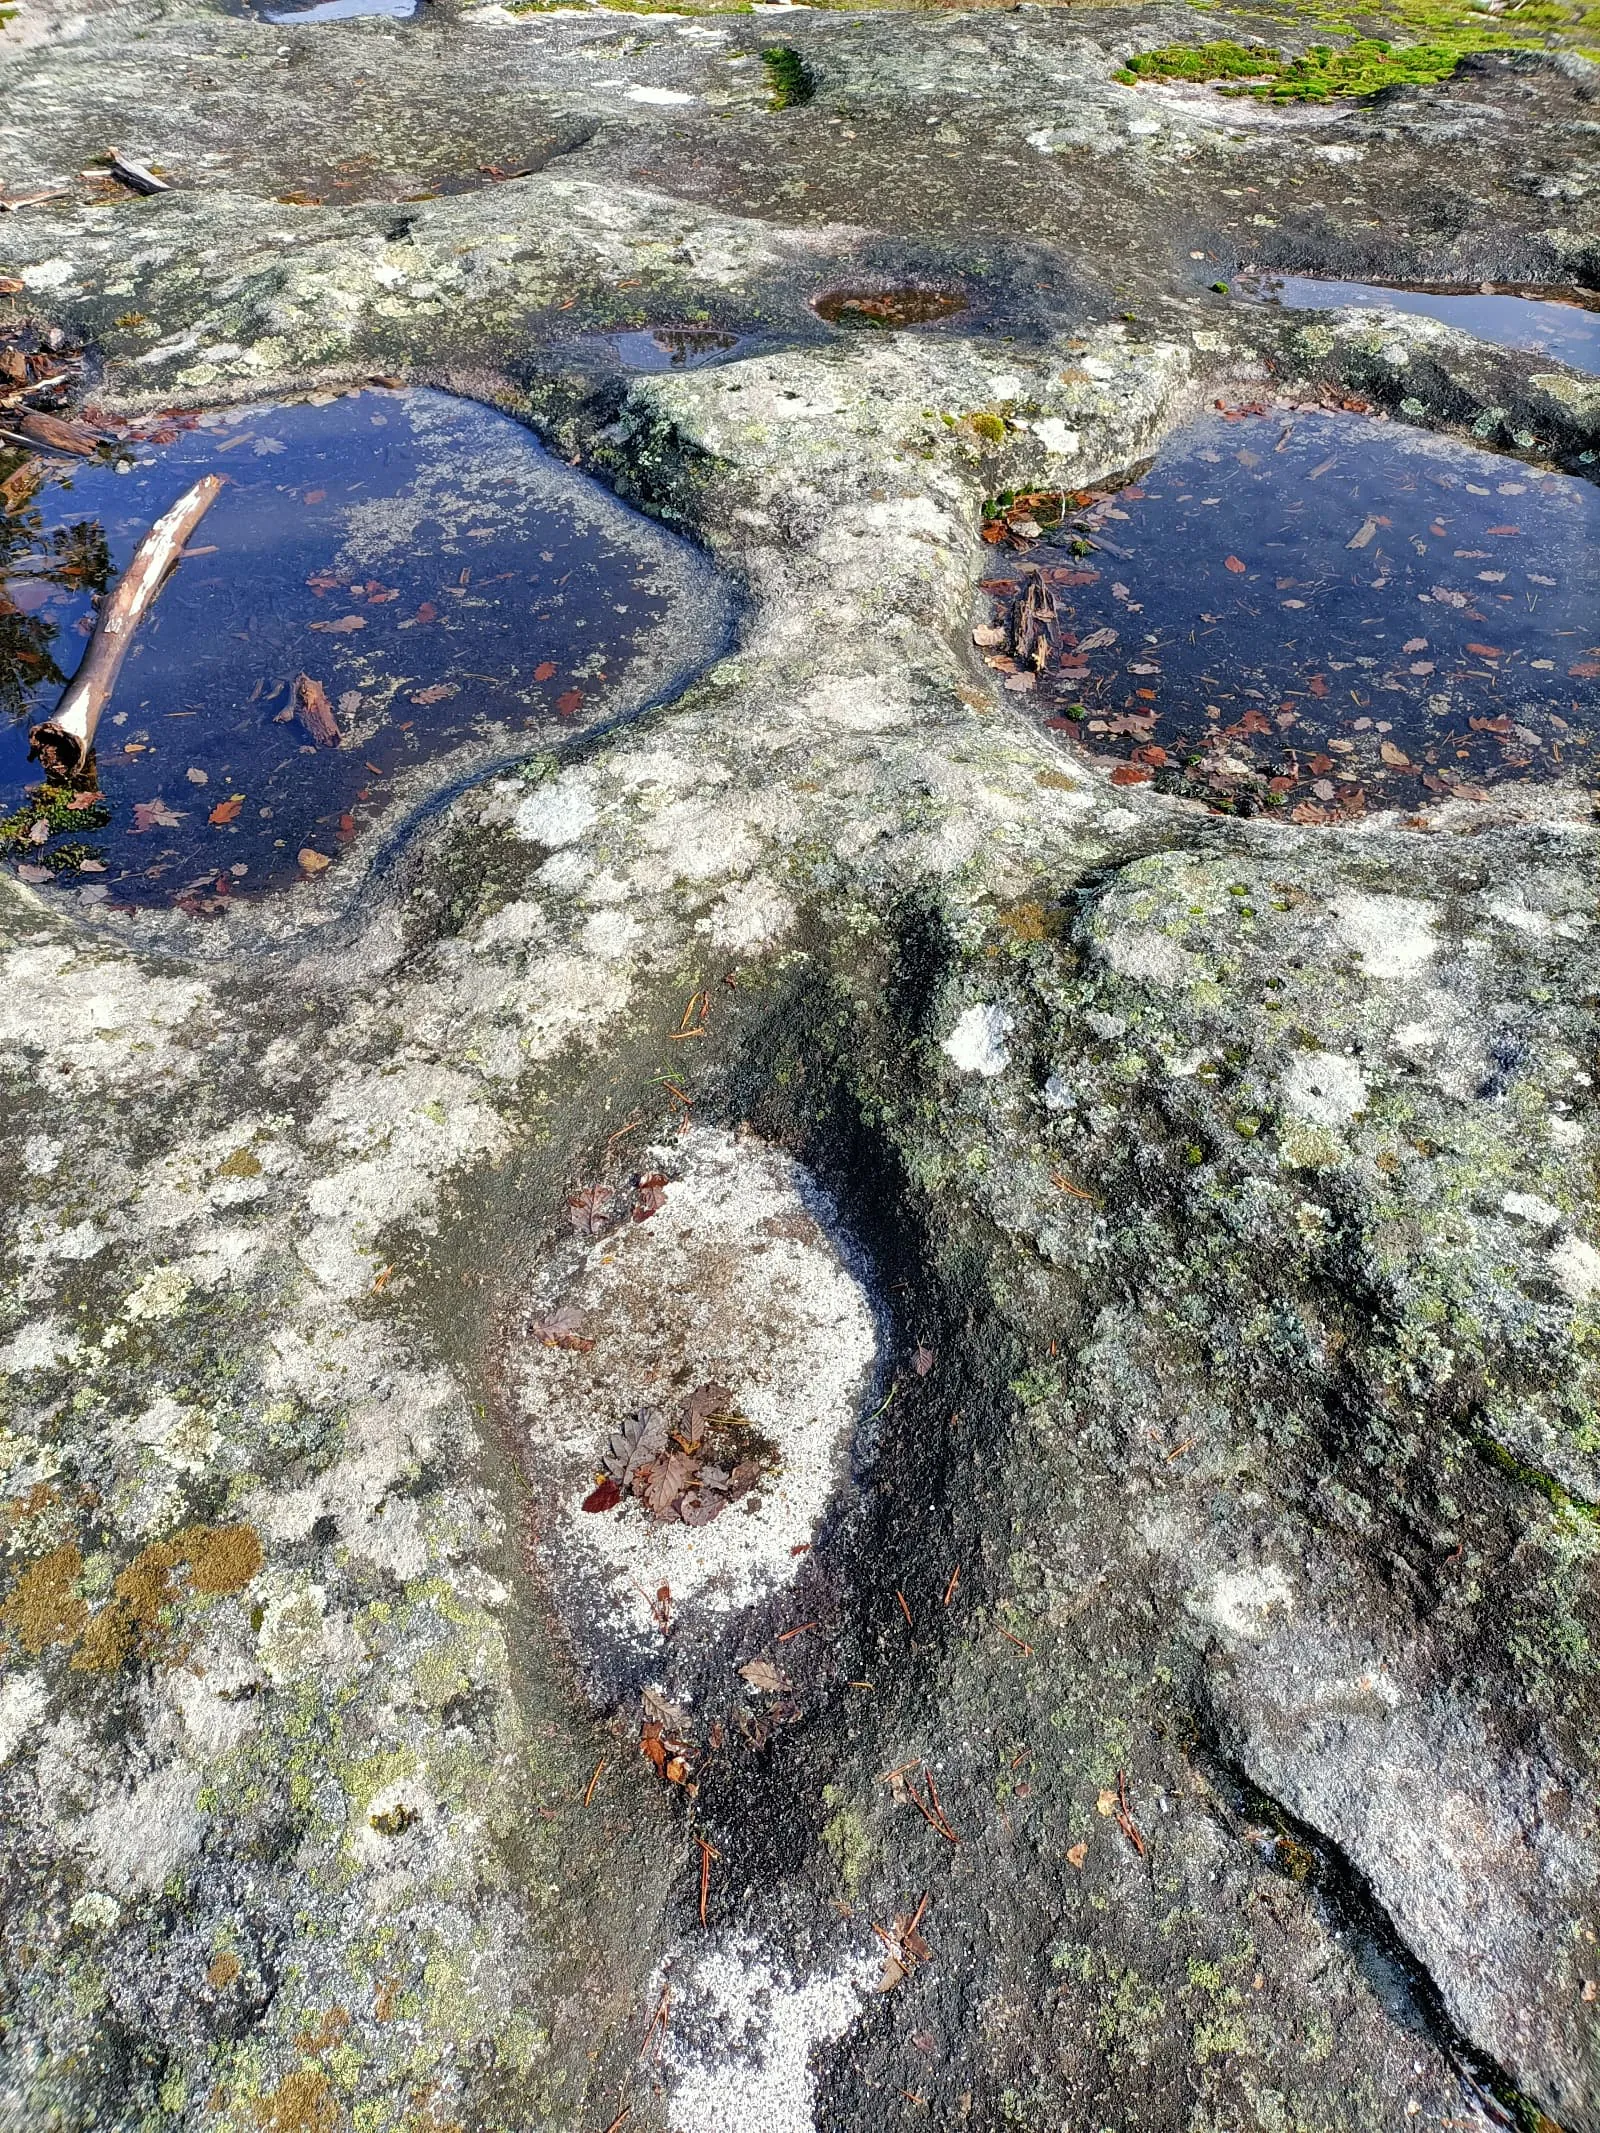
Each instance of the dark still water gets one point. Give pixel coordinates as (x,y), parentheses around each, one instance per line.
(452,591)
(1315,612)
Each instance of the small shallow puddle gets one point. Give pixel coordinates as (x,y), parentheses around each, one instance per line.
(888,308)
(1548,322)
(335,11)
(1317,612)
(674,347)
(458,595)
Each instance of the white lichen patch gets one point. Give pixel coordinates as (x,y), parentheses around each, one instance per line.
(1393,935)
(1239,1602)
(738,1280)
(977,1044)
(743,2033)
(1324,1088)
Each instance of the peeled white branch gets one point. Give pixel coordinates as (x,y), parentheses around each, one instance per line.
(62,744)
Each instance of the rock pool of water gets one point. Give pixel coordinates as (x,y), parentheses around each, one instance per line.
(1314,611)
(456,593)
(674,347)
(340,11)
(1543,322)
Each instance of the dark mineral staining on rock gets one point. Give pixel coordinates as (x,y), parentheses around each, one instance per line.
(388,580)
(1316,612)
(912,305)
(1561,323)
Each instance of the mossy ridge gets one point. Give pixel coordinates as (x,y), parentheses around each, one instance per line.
(1363,67)
(789,80)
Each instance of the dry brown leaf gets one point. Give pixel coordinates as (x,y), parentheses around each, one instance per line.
(669,1477)
(764,1676)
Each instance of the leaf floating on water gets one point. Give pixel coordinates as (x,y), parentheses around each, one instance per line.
(1232,562)
(313,861)
(1097,640)
(1362,536)
(544,670)
(344,625)
(155,814)
(436,693)
(226,811)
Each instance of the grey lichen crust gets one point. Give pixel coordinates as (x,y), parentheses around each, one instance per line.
(1221,1533)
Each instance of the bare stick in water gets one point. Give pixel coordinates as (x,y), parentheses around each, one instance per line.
(62,744)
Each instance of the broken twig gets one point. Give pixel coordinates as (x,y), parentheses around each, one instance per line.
(134,175)
(708,1852)
(315,712)
(62,743)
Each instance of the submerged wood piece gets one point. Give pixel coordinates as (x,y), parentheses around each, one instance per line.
(62,743)
(58,436)
(315,712)
(134,175)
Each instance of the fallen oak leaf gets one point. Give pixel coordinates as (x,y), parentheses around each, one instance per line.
(669,1477)
(562,1329)
(652,1197)
(589,1210)
(705,1401)
(640,1439)
(762,1675)
(155,814)
(226,811)
(698,1507)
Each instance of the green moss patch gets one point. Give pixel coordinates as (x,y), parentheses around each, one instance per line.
(789,80)
(1360,68)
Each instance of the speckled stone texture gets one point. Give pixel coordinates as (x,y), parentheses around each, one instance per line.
(1214,1554)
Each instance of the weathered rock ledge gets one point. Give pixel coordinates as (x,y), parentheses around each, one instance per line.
(1193,1217)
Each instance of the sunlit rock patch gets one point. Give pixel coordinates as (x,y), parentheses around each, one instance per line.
(737,2054)
(722,1267)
